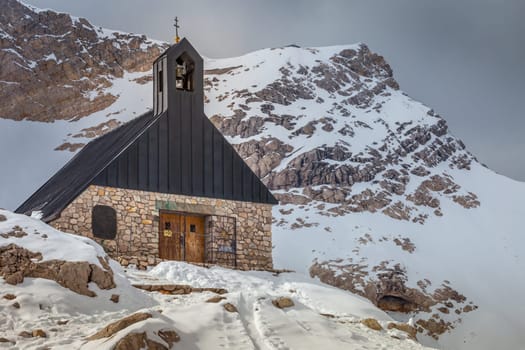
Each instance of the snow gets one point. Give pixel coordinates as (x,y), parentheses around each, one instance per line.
(37,215)
(31,64)
(51,57)
(5,35)
(14,52)
(52,243)
(201,325)
(254,285)
(260,325)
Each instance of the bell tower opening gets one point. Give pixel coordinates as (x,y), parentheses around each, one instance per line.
(184,73)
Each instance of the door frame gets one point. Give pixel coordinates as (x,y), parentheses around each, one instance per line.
(183,214)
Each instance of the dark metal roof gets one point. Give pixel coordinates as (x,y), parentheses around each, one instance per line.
(183,153)
(79,172)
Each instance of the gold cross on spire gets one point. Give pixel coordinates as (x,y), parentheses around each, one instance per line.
(176,25)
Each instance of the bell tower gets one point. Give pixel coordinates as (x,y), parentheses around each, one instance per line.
(178,78)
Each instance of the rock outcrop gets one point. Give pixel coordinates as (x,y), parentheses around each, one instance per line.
(136,340)
(139,341)
(16,263)
(386,286)
(119,325)
(177,289)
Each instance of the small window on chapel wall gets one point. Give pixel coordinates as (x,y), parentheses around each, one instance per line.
(184,73)
(104,222)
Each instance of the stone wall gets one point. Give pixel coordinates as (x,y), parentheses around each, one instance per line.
(137,238)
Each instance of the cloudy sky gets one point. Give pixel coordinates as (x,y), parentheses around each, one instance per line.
(465,59)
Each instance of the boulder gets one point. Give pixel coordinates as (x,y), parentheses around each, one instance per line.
(138,341)
(215,299)
(38,333)
(169,336)
(404,327)
(372,324)
(283,302)
(119,325)
(230,307)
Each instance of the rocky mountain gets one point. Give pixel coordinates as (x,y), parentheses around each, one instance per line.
(376,195)
(333,136)
(346,123)
(55,66)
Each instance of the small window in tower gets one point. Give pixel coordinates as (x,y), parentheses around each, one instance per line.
(180,74)
(184,73)
(160,81)
(193,228)
(104,222)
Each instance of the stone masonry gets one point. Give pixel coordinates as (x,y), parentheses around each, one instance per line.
(137,239)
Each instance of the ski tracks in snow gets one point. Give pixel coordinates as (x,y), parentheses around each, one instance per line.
(283,329)
(258,324)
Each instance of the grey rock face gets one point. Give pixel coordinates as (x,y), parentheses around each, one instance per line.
(56,66)
(349,97)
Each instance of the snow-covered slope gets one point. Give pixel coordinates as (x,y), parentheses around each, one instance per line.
(377,196)
(322,317)
(40,313)
(51,297)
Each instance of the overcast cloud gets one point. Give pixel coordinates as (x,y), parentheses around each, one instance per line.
(463,58)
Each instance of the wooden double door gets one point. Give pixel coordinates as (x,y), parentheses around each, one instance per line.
(181,237)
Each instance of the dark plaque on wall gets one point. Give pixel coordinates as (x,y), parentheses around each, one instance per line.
(104,222)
